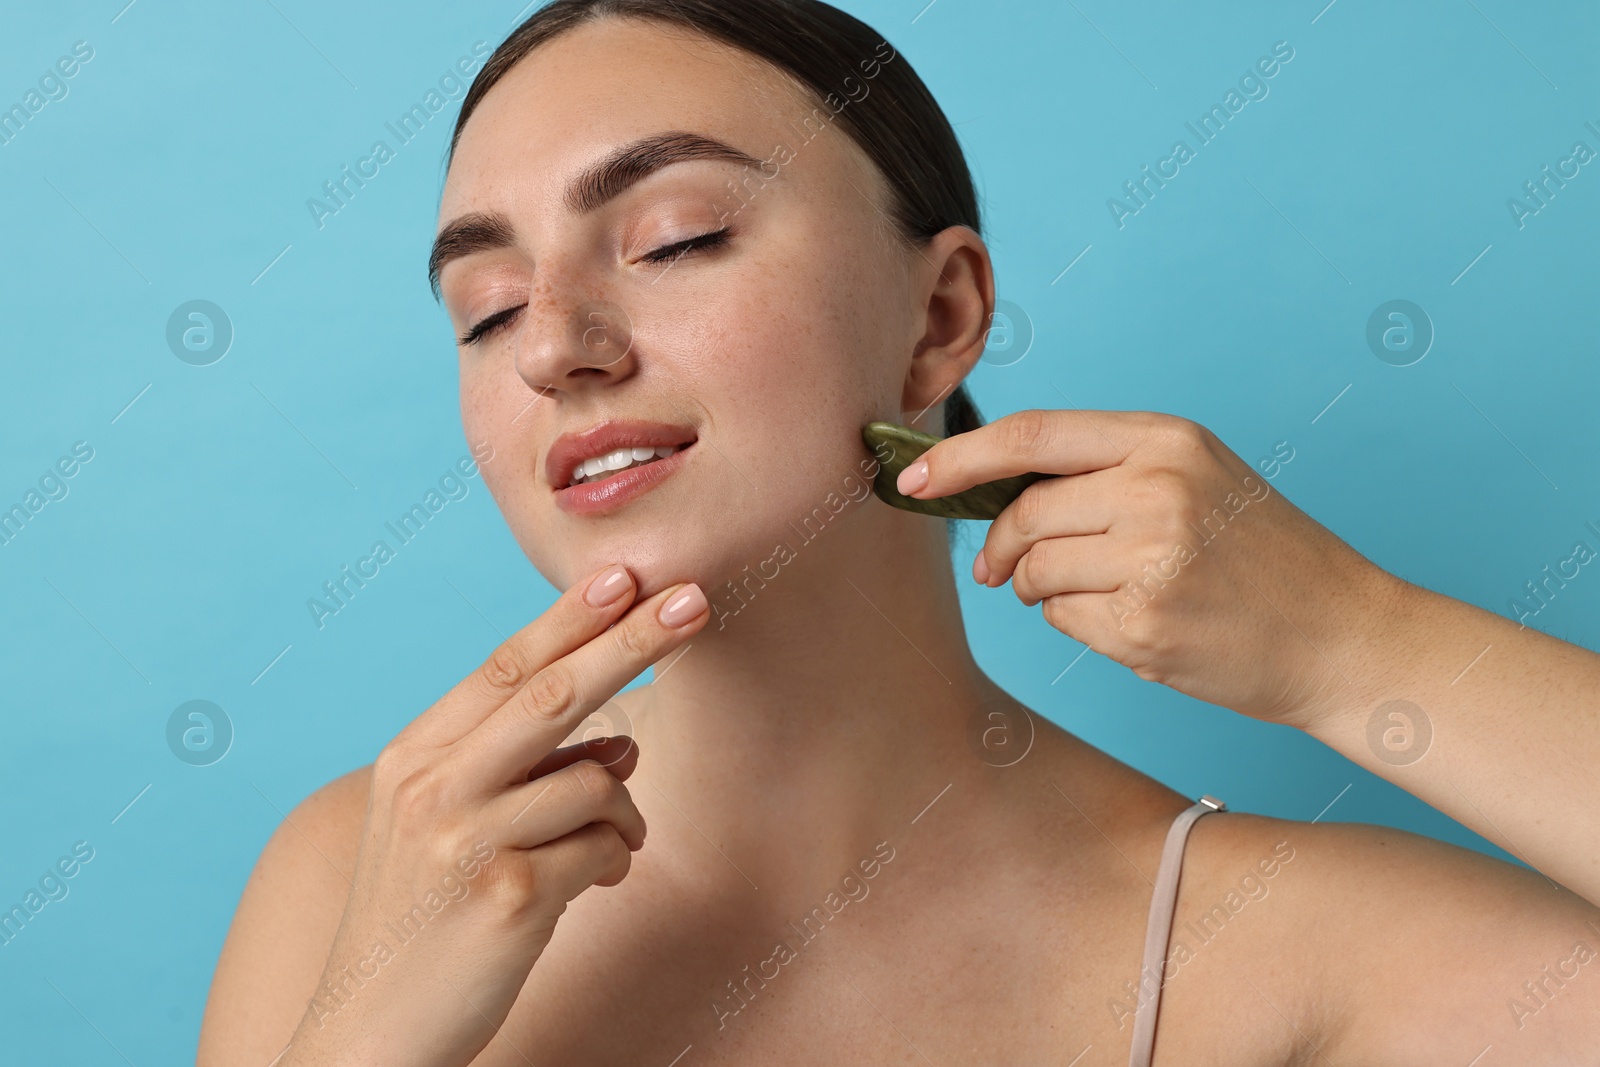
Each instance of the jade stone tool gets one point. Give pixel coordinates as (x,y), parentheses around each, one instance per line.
(897,447)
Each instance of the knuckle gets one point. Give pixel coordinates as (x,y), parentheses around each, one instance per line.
(1158,563)
(1050,608)
(1028,513)
(1184,436)
(419,797)
(390,767)
(448,842)
(631,641)
(1132,639)
(503,670)
(1151,670)
(1150,424)
(1025,576)
(1027,431)
(1141,634)
(1056,611)
(513,884)
(548,695)
(595,781)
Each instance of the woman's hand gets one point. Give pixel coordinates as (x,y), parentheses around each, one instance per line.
(1162,549)
(479,830)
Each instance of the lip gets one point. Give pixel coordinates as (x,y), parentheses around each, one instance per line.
(589,498)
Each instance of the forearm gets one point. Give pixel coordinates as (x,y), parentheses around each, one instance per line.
(1514,719)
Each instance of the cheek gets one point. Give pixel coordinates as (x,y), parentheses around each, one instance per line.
(474,415)
(798,342)
(481,420)
(789,359)
(493,413)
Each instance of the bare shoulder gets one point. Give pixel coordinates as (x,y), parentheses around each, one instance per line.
(1127,805)
(1365,944)
(1210,1013)
(284,925)
(1299,943)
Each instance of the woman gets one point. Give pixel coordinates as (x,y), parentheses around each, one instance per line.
(691,249)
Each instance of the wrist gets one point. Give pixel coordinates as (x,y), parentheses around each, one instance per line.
(1366,652)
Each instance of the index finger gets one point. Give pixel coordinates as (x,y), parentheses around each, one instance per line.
(577,615)
(533,721)
(1050,442)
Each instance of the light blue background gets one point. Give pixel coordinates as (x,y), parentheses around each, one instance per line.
(178,567)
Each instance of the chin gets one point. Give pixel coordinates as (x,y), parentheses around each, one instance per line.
(655,561)
(675,535)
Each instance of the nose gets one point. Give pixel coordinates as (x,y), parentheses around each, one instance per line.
(573,339)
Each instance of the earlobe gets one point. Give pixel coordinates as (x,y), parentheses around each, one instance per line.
(956,287)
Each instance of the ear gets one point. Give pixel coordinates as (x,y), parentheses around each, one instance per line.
(953,282)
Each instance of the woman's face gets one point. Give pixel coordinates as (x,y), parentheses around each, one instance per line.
(768,347)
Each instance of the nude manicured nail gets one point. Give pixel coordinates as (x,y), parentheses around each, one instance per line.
(683,606)
(607,586)
(980,570)
(913,478)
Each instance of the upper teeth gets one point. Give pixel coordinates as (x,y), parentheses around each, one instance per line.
(617,460)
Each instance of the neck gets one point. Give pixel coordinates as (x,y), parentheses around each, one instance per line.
(829,697)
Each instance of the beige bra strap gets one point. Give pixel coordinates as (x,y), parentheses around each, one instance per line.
(1159,929)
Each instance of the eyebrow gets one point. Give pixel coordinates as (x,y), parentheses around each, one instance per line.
(599,183)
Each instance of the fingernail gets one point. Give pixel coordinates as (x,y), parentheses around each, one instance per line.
(980,570)
(607,586)
(683,607)
(913,478)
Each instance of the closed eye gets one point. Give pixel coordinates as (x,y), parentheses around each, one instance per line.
(489,325)
(680,248)
(674,251)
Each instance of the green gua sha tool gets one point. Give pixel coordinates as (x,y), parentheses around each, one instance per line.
(897,447)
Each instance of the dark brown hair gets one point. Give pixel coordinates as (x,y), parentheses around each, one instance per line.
(896,122)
